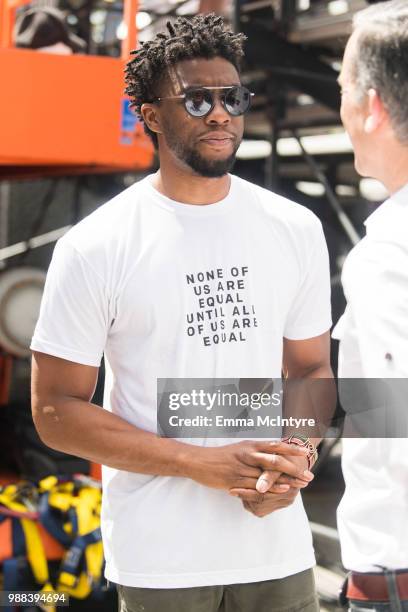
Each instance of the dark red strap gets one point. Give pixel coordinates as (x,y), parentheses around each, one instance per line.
(373,587)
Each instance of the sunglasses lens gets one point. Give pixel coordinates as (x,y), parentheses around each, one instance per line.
(198,102)
(237,101)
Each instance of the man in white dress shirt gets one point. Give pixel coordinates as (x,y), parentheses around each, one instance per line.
(373,332)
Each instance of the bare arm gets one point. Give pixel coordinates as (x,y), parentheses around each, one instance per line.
(66,420)
(306,361)
(307,358)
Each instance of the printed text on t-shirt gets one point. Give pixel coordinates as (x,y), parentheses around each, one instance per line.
(222,314)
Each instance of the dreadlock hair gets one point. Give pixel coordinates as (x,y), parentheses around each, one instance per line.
(202,36)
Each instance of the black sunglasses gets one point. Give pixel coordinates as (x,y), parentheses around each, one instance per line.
(200,101)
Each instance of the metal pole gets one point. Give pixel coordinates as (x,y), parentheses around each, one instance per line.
(271,162)
(5,189)
(348,227)
(129,17)
(32,243)
(7,15)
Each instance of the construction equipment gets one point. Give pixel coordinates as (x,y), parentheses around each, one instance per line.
(67,113)
(55,519)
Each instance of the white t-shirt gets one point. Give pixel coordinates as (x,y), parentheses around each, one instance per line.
(126,282)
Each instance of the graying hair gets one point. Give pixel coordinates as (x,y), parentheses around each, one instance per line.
(382,59)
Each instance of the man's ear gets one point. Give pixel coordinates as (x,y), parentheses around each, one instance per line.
(377,112)
(151,117)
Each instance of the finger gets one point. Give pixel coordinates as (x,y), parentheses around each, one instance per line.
(242,482)
(249,472)
(280,464)
(251,495)
(281,448)
(267,480)
(279,488)
(250,507)
(291,481)
(247,495)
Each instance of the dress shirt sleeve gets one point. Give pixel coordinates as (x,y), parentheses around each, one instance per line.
(378,297)
(74,317)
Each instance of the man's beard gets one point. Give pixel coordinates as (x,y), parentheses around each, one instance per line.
(210,168)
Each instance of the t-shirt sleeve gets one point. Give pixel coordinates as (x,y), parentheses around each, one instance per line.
(310,312)
(74,316)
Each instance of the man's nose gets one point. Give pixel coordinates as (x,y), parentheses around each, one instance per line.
(219,114)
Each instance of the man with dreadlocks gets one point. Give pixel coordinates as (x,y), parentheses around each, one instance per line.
(191,272)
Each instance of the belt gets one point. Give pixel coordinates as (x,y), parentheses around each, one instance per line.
(374,587)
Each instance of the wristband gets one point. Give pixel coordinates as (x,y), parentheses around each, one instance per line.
(312,453)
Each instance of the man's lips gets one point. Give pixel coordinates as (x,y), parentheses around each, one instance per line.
(218,140)
(218,136)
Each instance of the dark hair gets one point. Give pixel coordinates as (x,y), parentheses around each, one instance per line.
(201,36)
(382,59)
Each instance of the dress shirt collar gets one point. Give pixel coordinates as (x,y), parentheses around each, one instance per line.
(383,215)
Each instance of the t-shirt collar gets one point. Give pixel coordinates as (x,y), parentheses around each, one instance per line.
(195,210)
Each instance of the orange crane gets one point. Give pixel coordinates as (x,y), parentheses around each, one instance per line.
(67,113)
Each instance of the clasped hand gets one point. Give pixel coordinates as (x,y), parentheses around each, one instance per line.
(266,476)
(274,488)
